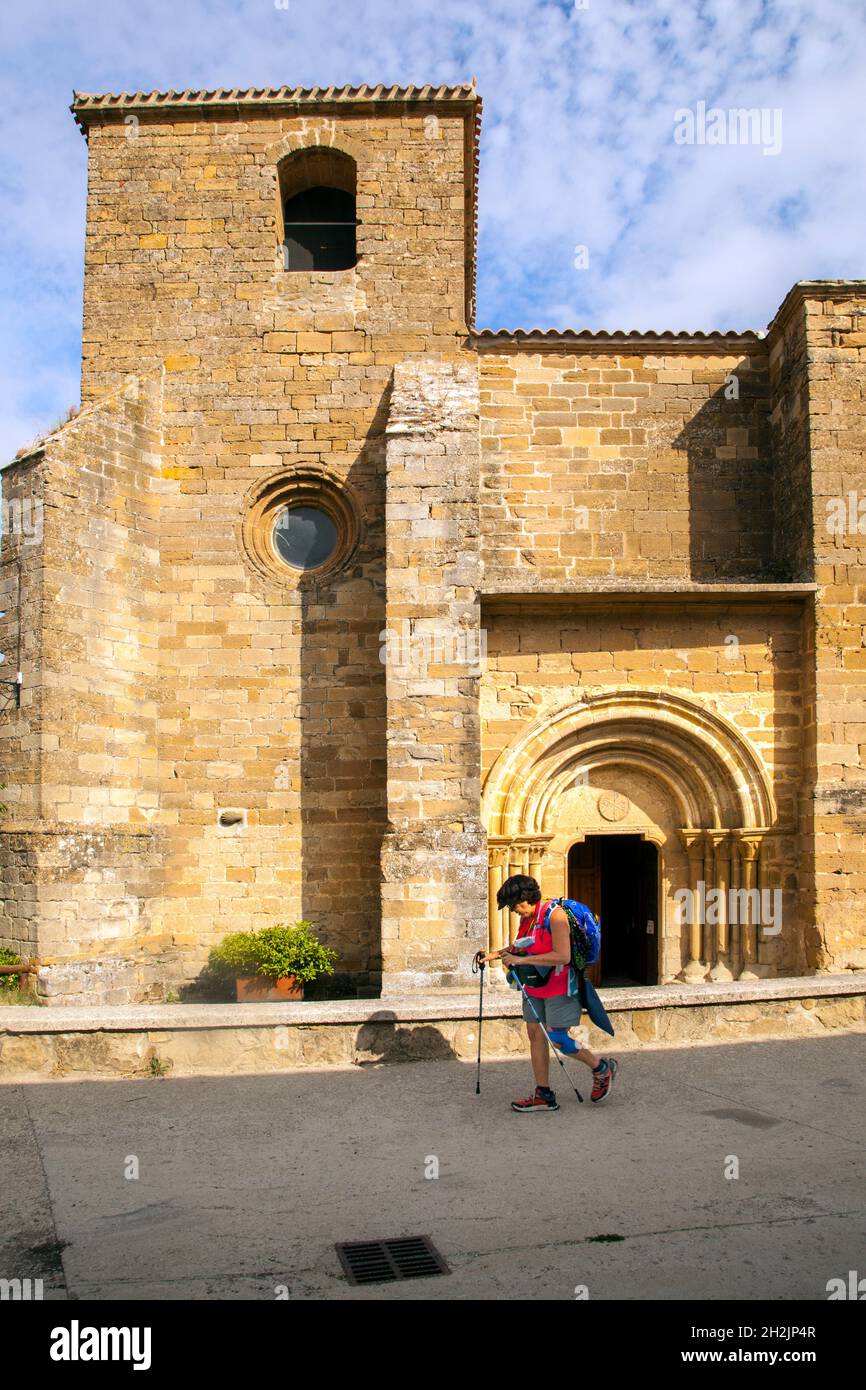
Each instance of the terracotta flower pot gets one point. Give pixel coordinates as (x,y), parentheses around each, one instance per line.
(261,989)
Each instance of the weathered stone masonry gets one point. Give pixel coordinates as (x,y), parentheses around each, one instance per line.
(634,526)
(434,865)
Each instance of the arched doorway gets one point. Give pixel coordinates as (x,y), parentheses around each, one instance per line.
(666,771)
(617,876)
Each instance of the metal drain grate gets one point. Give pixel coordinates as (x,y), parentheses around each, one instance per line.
(384,1261)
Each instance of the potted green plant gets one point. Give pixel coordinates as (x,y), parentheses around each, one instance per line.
(274,963)
(9,983)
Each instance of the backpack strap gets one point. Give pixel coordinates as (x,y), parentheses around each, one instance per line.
(550,905)
(547,906)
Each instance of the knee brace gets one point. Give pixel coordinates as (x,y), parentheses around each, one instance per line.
(560,1039)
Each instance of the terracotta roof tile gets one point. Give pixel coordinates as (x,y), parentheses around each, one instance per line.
(552,336)
(85,103)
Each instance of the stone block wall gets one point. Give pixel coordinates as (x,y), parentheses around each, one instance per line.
(21,634)
(20,709)
(434,860)
(789,422)
(182,262)
(613,464)
(271,685)
(81,865)
(818,360)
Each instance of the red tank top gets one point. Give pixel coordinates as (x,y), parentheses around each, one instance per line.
(542,942)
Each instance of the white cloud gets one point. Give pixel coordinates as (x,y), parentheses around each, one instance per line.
(577,147)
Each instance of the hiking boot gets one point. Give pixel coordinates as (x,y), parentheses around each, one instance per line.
(543,1099)
(603,1077)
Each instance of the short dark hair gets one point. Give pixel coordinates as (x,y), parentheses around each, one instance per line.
(520,888)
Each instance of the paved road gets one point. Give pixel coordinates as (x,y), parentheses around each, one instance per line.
(246,1182)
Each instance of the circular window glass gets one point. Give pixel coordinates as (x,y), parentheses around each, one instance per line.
(305,537)
(300,524)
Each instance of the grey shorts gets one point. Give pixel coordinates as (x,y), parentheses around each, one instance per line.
(562,1011)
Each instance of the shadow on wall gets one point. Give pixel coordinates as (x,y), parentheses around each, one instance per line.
(383,1041)
(342,717)
(730,472)
(749,519)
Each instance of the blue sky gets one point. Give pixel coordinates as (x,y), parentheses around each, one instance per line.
(578,149)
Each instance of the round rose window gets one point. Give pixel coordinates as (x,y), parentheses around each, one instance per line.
(300,526)
(304,537)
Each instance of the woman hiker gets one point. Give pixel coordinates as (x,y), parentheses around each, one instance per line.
(557,1010)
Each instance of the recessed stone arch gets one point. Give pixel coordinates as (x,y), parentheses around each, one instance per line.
(319,138)
(719,810)
(715,776)
(683,797)
(310,134)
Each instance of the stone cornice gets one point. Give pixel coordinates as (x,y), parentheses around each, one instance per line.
(504,594)
(813,289)
(90,107)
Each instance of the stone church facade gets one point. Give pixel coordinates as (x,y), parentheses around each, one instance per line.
(342,609)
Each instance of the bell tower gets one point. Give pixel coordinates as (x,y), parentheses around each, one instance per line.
(217,219)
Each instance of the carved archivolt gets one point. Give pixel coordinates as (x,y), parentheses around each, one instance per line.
(714,776)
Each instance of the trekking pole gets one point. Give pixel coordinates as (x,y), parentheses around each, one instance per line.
(549,1039)
(478,965)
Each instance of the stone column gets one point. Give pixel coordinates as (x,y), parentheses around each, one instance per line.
(496,923)
(434,856)
(769,945)
(518,862)
(693,842)
(536,855)
(495,880)
(721,970)
(748,847)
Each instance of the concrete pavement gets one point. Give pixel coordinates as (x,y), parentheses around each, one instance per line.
(247,1181)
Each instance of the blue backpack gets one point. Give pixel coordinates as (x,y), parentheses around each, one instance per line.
(585,948)
(585,931)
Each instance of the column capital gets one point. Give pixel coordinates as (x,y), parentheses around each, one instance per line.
(693,842)
(538,845)
(721,843)
(717,836)
(748,844)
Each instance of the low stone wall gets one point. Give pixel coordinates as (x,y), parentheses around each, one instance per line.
(189,1040)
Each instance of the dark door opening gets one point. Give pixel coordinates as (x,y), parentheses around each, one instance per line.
(617,877)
